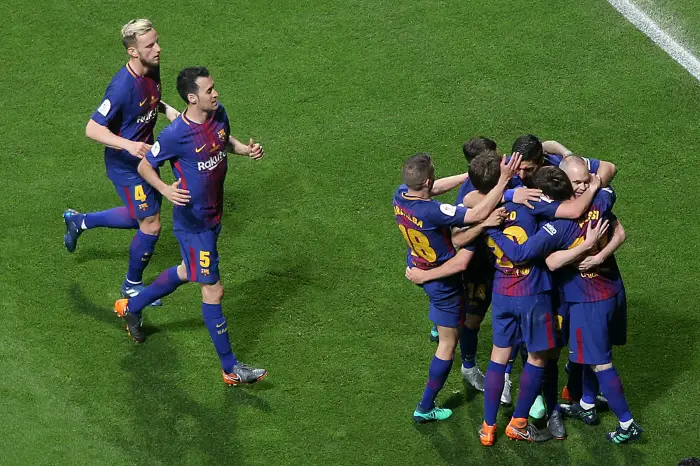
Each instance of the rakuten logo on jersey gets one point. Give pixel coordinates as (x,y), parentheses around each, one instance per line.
(147,118)
(212,163)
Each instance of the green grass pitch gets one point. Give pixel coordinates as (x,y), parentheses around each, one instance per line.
(312,262)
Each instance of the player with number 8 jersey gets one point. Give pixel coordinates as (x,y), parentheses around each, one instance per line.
(195,144)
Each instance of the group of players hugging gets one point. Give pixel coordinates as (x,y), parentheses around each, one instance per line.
(533,235)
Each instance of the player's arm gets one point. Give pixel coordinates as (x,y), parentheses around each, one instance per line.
(519,195)
(164,149)
(103,135)
(463,236)
(573,209)
(554,147)
(546,240)
(483,209)
(170,112)
(448,183)
(455,265)
(618,237)
(252,150)
(606,171)
(560,259)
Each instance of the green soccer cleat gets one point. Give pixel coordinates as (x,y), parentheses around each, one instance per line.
(434,336)
(537,410)
(435,414)
(633,432)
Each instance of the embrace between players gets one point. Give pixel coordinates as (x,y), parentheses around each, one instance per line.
(196,144)
(543,260)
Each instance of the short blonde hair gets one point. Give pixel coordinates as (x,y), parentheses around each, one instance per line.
(134,29)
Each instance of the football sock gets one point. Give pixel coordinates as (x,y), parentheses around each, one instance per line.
(468,341)
(575,380)
(550,387)
(117,217)
(437,375)
(218,331)
(140,252)
(166,283)
(590,385)
(495,379)
(530,383)
(626,425)
(611,386)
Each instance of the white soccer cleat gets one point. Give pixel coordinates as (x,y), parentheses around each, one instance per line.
(506,398)
(474,377)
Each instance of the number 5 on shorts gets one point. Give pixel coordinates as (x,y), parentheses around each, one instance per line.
(204,259)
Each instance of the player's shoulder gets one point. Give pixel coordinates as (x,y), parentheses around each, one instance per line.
(553,159)
(557,226)
(605,196)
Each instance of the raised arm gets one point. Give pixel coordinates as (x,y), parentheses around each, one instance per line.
(455,265)
(484,208)
(448,183)
(554,147)
(618,238)
(606,172)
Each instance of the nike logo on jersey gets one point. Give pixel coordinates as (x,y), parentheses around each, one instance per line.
(200,149)
(141,104)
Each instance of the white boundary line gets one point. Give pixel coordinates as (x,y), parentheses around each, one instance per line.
(652,30)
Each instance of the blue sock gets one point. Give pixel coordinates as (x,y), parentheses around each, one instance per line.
(530,383)
(575,380)
(468,341)
(117,217)
(590,385)
(166,283)
(437,375)
(494,382)
(140,252)
(550,388)
(611,386)
(218,331)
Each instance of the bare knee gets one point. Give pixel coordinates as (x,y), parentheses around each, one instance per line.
(150,225)
(473,322)
(538,358)
(500,355)
(182,272)
(448,342)
(212,294)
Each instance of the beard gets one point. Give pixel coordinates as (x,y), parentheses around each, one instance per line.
(152,66)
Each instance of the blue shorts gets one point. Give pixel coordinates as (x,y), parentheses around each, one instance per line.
(595,328)
(446,301)
(532,316)
(477,293)
(142,200)
(200,255)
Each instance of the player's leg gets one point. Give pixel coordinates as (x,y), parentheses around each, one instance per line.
(147,210)
(611,386)
(447,312)
(550,386)
(118,217)
(506,397)
(538,333)
(130,309)
(468,342)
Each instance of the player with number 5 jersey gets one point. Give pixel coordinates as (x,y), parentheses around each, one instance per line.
(196,145)
(425,225)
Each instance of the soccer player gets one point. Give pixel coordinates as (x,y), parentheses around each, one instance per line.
(593,292)
(196,145)
(124,123)
(425,225)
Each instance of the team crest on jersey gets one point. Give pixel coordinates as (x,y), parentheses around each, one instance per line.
(222,135)
(143,206)
(204,272)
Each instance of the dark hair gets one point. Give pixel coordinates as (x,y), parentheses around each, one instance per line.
(554,183)
(477,146)
(485,170)
(693,461)
(417,169)
(187,81)
(529,147)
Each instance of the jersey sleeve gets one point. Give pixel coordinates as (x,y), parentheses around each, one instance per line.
(165,148)
(545,207)
(115,97)
(605,199)
(465,189)
(447,215)
(593,164)
(548,238)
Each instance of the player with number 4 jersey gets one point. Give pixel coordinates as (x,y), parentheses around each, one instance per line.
(196,145)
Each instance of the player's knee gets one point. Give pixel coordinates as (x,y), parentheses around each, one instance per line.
(553,354)
(150,225)
(538,358)
(213,294)
(500,355)
(473,322)
(182,272)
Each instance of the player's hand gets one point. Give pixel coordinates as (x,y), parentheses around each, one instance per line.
(593,234)
(525,195)
(138,149)
(495,219)
(594,184)
(256,150)
(416,275)
(590,262)
(177,195)
(510,168)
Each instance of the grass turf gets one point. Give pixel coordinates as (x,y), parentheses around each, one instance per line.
(311,258)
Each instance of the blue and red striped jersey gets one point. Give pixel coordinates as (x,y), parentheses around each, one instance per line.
(130,110)
(198,157)
(426,226)
(518,278)
(576,286)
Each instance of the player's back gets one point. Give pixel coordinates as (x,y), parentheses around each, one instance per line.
(518,279)
(426,226)
(604,281)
